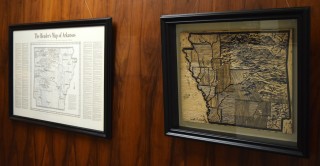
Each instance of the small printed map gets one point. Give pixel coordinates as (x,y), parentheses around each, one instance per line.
(242,77)
(54,69)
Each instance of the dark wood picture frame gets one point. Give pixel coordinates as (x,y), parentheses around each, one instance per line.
(59,34)
(171,77)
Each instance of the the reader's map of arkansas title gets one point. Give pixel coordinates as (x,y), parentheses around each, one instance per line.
(55,74)
(237,78)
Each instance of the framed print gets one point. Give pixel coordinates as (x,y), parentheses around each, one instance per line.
(61,74)
(238,78)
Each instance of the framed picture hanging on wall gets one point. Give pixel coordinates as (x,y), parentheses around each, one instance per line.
(61,74)
(238,78)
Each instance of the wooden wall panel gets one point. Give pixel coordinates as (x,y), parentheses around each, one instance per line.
(138,128)
(3,78)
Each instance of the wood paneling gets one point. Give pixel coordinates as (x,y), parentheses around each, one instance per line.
(138,134)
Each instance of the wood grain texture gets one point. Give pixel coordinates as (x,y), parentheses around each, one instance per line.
(138,127)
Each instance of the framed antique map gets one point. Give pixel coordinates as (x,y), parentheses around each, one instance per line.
(61,74)
(238,78)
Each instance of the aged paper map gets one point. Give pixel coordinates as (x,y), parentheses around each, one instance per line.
(237,78)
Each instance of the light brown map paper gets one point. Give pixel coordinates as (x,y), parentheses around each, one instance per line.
(240,78)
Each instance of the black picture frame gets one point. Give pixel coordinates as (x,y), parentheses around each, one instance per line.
(172,77)
(58,90)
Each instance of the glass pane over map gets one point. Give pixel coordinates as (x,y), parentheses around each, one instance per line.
(237,78)
(59,75)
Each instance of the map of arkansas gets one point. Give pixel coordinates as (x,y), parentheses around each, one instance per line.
(242,77)
(53,72)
